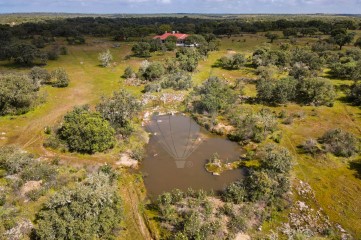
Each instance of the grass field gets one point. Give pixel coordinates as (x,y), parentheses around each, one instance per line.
(336,181)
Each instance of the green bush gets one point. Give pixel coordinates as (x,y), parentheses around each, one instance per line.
(276,159)
(316,91)
(120,109)
(151,71)
(253,126)
(276,91)
(39,76)
(214,96)
(60,78)
(355,93)
(177,81)
(86,131)
(90,210)
(235,61)
(235,192)
(310,91)
(340,143)
(18,94)
(141,49)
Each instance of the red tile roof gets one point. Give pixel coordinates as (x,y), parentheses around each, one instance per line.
(180,36)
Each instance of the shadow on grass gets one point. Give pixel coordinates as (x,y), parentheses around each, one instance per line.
(356,166)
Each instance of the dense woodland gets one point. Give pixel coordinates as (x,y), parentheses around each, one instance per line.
(304,70)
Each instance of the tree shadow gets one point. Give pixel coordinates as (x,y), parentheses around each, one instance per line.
(356,166)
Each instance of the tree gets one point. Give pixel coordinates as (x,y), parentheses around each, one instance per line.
(276,91)
(120,109)
(60,78)
(271,36)
(316,91)
(90,210)
(164,28)
(341,37)
(188,59)
(18,94)
(170,43)
(141,49)
(105,58)
(86,131)
(215,95)
(340,143)
(196,40)
(24,54)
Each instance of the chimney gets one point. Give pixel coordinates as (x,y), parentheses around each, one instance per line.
(173,32)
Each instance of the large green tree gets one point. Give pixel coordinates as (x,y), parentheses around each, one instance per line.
(86,131)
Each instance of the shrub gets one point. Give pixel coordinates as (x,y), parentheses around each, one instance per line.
(153,87)
(235,61)
(340,143)
(355,93)
(120,109)
(310,59)
(277,91)
(60,78)
(152,72)
(17,94)
(265,57)
(76,40)
(141,49)
(92,210)
(311,146)
(276,159)
(260,186)
(39,76)
(235,193)
(86,131)
(254,126)
(177,81)
(129,73)
(105,58)
(347,70)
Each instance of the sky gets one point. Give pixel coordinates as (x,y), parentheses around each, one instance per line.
(182,6)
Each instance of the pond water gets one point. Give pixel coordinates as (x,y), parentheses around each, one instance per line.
(177,152)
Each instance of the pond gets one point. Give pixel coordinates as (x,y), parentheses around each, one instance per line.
(177,153)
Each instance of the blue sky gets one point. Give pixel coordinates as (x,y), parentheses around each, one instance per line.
(182,6)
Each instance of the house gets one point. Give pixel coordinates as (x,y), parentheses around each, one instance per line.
(180,37)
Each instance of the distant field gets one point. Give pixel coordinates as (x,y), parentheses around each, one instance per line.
(18,18)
